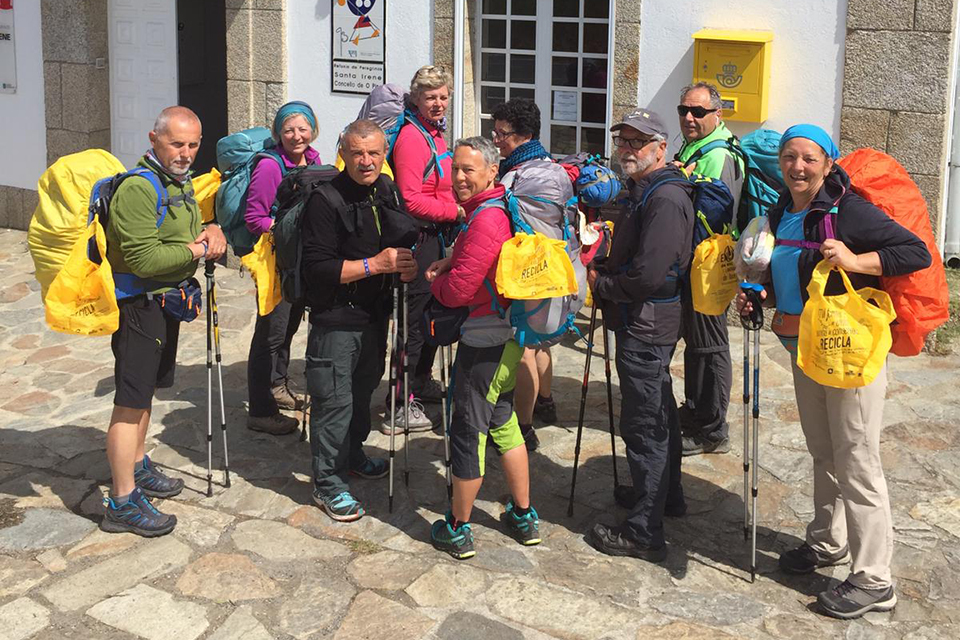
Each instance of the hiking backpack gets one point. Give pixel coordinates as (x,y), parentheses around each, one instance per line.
(595,184)
(237,156)
(763,182)
(540,199)
(712,204)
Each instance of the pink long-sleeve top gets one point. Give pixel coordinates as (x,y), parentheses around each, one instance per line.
(264,181)
(431,200)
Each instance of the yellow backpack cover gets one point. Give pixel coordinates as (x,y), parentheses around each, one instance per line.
(61,215)
(205,191)
(262,264)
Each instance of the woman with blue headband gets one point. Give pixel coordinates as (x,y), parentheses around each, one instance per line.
(820,218)
(268,388)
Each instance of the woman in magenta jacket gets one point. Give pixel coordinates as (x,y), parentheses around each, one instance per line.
(421,165)
(268,388)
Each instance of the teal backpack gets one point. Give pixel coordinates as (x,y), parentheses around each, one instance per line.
(237,155)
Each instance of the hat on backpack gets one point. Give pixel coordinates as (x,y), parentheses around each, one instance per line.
(644,121)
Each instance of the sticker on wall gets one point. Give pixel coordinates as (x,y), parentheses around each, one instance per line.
(359,45)
(8,57)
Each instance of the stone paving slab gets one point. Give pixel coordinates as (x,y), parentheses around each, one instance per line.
(259,560)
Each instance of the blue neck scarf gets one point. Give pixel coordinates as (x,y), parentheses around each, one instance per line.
(532,150)
(440,125)
(291,109)
(814,133)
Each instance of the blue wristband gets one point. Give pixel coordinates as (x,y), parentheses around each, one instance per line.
(366,267)
(205,247)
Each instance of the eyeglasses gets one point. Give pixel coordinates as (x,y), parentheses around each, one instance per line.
(698,112)
(635,143)
(500,135)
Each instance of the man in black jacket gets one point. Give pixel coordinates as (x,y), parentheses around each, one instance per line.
(353,233)
(638,288)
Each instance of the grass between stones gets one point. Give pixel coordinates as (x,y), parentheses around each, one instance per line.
(943,341)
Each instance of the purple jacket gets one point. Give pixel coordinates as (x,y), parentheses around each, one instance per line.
(263,189)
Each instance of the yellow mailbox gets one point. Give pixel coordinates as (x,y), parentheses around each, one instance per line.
(738,63)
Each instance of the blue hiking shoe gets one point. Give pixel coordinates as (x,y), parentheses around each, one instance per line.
(371,468)
(457,542)
(155,483)
(524,529)
(342,507)
(137,516)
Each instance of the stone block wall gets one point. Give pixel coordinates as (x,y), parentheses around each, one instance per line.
(896,87)
(256,61)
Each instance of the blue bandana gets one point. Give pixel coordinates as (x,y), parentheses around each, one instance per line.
(814,133)
(532,150)
(294,108)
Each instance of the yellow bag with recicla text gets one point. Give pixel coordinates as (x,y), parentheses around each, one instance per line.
(535,267)
(262,265)
(81,300)
(844,339)
(713,278)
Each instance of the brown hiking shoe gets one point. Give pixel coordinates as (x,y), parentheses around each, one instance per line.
(286,399)
(276,425)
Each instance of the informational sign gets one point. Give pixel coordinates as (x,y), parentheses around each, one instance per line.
(8,57)
(565,105)
(358,62)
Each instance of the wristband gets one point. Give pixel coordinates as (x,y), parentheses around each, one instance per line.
(205,247)
(366,267)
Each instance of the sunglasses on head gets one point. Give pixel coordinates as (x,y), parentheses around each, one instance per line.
(698,112)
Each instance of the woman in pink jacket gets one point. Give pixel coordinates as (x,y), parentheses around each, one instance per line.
(421,165)
(294,128)
(485,372)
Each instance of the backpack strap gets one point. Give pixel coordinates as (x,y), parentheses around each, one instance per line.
(731,144)
(826,226)
(163,199)
(436,160)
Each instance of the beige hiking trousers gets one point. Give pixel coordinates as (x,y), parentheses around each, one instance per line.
(850,500)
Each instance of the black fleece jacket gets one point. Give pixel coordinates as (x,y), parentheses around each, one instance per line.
(861,226)
(639,283)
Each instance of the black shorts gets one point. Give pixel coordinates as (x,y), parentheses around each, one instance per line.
(145,349)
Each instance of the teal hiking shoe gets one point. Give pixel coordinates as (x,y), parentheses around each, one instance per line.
(342,507)
(371,468)
(155,483)
(457,542)
(526,528)
(137,515)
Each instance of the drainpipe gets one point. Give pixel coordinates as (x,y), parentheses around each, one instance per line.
(458,20)
(949,228)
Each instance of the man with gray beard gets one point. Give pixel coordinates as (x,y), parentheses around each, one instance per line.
(638,288)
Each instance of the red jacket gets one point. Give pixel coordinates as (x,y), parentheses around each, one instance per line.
(431,200)
(475,256)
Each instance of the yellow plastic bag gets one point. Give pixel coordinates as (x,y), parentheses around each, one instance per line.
(82,300)
(262,265)
(534,267)
(844,340)
(205,191)
(713,278)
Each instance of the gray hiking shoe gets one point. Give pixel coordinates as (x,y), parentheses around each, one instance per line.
(418,419)
(693,446)
(806,559)
(847,600)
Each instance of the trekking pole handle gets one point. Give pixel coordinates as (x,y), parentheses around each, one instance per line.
(208,267)
(754,320)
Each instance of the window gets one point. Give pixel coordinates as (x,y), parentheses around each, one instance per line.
(556,52)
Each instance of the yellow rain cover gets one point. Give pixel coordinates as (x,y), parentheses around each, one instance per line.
(534,267)
(61,215)
(844,339)
(205,191)
(262,265)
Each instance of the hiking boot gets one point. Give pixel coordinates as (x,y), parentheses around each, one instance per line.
(545,409)
(418,419)
(693,445)
(524,529)
(137,515)
(615,541)
(626,497)
(371,468)
(276,425)
(806,559)
(342,507)
(457,542)
(155,483)
(286,399)
(850,601)
(428,390)
(530,437)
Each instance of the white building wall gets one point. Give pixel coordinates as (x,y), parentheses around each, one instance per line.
(22,124)
(806,79)
(409,34)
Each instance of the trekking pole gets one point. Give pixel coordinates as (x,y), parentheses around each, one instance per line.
(583,403)
(406,387)
(606,366)
(443,409)
(394,360)
(307,398)
(753,322)
(208,272)
(213,308)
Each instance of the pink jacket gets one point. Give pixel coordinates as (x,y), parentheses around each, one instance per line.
(475,256)
(263,189)
(431,200)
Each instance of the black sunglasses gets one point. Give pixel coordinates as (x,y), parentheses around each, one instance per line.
(698,112)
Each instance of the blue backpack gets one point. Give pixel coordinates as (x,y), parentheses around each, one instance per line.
(237,155)
(712,203)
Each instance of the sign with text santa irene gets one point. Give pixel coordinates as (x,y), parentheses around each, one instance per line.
(8,58)
(359,46)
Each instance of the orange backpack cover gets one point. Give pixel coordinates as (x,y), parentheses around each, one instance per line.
(922,298)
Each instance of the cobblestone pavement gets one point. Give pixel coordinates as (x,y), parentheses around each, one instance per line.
(259,560)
